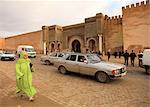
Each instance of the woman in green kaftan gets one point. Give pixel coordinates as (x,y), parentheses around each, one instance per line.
(24,76)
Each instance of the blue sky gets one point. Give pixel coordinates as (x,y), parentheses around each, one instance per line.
(22,16)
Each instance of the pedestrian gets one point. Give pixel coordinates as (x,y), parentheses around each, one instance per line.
(140,56)
(99,53)
(126,58)
(115,54)
(24,69)
(120,54)
(108,54)
(46,51)
(132,57)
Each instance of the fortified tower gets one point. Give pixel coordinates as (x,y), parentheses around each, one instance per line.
(136,26)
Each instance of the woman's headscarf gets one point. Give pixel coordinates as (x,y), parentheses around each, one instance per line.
(21,59)
(22,54)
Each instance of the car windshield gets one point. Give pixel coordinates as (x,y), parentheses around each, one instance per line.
(8,52)
(93,58)
(53,54)
(29,49)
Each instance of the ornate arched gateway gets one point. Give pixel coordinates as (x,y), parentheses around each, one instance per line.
(76,46)
(92,45)
(76,43)
(52,47)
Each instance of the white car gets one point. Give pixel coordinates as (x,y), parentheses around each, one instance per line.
(146,60)
(50,58)
(7,55)
(90,64)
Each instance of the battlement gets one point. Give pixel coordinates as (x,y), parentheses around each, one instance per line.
(55,27)
(113,19)
(44,27)
(135,6)
(90,19)
(73,26)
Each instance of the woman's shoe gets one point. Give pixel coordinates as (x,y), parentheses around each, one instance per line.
(31,99)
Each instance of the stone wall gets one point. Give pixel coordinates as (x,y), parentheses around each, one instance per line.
(34,39)
(136,26)
(2,44)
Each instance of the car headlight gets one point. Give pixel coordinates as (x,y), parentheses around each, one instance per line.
(115,72)
(125,68)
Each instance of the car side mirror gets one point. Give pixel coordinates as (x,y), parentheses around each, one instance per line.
(85,61)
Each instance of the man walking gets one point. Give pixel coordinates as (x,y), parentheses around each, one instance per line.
(108,54)
(119,54)
(126,58)
(132,57)
(140,55)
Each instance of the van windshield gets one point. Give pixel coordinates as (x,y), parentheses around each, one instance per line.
(29,50)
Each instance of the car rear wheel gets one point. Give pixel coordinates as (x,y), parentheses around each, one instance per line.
(62,70)
(47,62)
(147,68)
(102,77)
(12,59)
(2,59)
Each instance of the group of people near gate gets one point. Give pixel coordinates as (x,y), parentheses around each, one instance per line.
(127,55)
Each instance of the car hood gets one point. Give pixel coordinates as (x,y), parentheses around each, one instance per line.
(109,65)
(44,56)
(31,52)
(8,55)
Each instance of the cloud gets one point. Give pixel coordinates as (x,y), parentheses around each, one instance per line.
(20,16)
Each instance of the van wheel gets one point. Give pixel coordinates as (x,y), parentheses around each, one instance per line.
(47,62)
(102,77)
(147,68)
(62,70)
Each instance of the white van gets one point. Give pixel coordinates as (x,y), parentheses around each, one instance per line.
(29,49)
(146,60)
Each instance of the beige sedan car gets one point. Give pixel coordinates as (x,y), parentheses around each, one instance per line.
(90,64)
(50,58)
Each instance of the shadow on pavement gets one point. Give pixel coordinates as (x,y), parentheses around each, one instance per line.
(40,101)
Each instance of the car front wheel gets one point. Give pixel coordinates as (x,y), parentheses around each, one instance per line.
(62,70)
(102,77)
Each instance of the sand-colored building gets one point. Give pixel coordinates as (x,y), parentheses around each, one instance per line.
(97,33)
(2,43)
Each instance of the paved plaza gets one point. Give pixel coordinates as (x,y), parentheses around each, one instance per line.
(74,90)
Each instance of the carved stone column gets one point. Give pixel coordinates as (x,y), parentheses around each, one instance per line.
(100,42)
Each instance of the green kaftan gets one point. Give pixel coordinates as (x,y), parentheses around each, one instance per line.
(24,76)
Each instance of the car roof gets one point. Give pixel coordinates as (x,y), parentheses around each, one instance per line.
(77,53)
(25,46)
